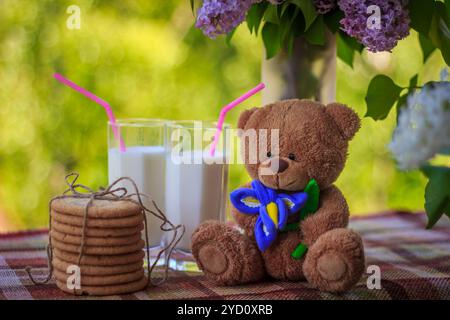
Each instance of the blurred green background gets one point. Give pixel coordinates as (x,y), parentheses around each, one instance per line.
(147,60)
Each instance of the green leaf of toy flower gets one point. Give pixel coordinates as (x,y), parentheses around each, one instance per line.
(437,193)
(312,204)
(308,10)
(271,38)
(421,14)
(381,96)
(427,47)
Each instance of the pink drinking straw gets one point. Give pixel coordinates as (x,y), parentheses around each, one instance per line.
(227,108)
(100,102)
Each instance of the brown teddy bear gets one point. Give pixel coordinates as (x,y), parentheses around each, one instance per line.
(313,142)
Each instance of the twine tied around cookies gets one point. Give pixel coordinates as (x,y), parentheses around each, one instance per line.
(114,193)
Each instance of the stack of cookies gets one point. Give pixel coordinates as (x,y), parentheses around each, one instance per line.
(112,259)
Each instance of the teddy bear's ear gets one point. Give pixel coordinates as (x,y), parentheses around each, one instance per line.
(346,119)
(244,116)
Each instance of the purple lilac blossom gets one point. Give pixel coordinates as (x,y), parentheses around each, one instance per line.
(324,6)
(217,17)
(394,23)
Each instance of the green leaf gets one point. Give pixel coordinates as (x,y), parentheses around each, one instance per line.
(332,20)
(298,24)
(401,102)
(192,2)
(316,33)
(440,31)
(286,27)
(271,38)
(289,43)
(437,193)
(312,203)
(427,47)
(381,96)
(308,11)
(284,7)
(421,14)
(229,36)
(254,16)
(271,14)
(413,81)
(346,47)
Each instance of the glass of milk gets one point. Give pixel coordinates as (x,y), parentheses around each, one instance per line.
(144,160)
(196,181)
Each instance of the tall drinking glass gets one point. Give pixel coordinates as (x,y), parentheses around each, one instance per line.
(143,160)
(196,181)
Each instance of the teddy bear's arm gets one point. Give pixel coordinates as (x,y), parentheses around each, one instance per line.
(245,221)
(332,213)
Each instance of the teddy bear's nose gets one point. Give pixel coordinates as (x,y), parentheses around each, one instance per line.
(282,165)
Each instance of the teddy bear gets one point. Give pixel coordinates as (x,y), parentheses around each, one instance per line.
(290,222)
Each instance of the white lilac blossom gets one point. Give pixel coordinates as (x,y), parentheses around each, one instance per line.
(423,127)
(393,22)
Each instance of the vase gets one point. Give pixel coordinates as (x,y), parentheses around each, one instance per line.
(308,73)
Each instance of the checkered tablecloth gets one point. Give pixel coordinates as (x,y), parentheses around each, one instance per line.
(414,264)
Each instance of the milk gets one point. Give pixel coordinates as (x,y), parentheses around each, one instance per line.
(195,193)
(146,166)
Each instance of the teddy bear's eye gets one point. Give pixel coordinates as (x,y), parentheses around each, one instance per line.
(291,156)
(269,154)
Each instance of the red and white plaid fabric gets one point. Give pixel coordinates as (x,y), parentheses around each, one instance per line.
(414,263)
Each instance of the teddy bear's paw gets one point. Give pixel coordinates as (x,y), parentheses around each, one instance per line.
(225,255)
(335,262)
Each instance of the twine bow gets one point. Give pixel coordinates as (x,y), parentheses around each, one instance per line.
(114,193)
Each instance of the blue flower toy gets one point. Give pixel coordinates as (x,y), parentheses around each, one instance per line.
(273,209)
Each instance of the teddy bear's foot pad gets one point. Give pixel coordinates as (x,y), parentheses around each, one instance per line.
(225,255)
(214,260)
(335,262)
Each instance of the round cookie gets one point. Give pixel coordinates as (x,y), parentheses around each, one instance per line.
(99,260)
(102,280)
(131,221)
(93,241)
(98,208)
(62,265)
(106,290)
(96,232)
(96,250)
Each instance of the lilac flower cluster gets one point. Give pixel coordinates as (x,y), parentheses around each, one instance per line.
(394,23)
(217,17)
(324,6)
